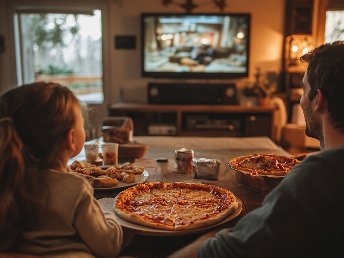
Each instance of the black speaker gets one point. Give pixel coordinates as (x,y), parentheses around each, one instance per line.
(192,93)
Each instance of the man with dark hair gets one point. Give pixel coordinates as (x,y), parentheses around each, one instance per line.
(304,215)
(325,76)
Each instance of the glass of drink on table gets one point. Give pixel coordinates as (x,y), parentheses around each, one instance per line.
(110,153)
(91,152)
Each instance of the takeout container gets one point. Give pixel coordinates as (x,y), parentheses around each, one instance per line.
(206,168)
(115,134)
(118,129)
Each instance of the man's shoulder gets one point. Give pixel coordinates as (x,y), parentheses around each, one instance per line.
(327,158)
(323,168)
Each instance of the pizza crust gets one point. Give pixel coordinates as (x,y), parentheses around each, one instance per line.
(131,217)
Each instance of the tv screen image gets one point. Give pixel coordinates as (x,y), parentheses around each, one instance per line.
(195,45)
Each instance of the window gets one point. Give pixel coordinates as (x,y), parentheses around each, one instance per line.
(334,28)
(64,48)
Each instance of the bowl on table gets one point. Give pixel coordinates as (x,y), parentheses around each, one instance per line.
(262,172)
(131,151)
(257,183)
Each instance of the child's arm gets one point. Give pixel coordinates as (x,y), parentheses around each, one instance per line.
(107,206)
(102,234)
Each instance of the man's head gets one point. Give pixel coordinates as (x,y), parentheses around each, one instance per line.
(324,79)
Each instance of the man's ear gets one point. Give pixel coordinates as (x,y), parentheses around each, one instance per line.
(71,140)
(320,102)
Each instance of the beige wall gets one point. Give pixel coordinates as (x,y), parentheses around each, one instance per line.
(7,64)
(124,18)
(266,39)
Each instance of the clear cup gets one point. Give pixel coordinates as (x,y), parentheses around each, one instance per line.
(110,153)
(91,152)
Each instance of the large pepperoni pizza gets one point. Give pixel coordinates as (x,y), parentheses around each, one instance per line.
(175,206)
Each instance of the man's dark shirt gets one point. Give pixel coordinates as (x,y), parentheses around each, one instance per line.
(302,217)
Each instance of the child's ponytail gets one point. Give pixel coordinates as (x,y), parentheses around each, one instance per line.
(12,167)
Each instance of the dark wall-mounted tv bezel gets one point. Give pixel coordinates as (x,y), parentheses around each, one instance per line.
(195,75)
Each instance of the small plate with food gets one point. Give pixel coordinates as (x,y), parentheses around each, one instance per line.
(110,177)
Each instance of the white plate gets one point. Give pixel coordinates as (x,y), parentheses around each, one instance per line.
(139,179)
(108,203)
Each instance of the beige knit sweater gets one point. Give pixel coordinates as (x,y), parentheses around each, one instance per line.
(72,223)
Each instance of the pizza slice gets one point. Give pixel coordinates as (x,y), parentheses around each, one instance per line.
(152,215)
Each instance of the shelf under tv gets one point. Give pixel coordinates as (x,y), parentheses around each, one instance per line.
(249,121)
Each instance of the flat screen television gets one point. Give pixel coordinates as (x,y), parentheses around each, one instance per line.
(210,46)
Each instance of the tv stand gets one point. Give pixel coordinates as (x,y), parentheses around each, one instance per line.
(196,120)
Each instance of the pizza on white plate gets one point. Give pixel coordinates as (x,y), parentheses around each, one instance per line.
(175,206)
